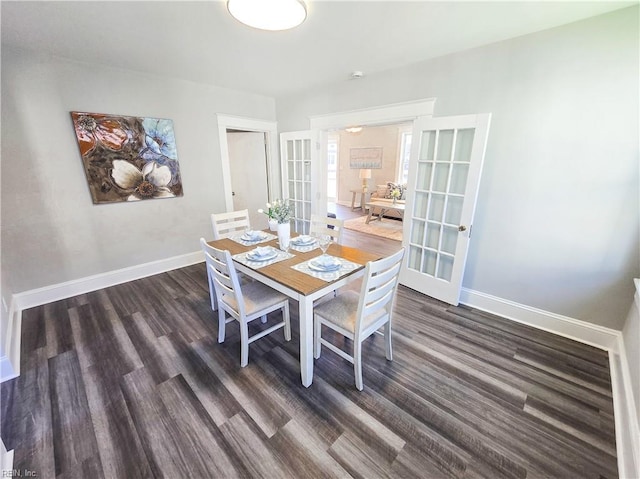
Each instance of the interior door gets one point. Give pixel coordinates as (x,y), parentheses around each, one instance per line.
(249,179)
(444,175)
(295,150)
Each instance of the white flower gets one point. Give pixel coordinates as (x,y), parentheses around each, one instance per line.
(260,210)
(151,182)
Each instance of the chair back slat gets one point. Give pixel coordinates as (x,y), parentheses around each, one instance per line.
(224,275)
(379,287)
(228,224)
(327,226)
(210,276)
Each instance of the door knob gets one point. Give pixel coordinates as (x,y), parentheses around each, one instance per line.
(462,228)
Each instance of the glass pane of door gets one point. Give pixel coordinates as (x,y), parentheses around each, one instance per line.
(442,172)
(298,181)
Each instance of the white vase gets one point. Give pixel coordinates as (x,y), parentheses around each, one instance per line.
(273,225)
(284,235)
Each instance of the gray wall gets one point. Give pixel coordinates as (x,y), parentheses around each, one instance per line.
(51,230)
(557,222)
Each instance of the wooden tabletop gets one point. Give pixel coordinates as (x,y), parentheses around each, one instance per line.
(282,271)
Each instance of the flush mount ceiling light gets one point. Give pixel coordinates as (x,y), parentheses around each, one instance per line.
(268,14)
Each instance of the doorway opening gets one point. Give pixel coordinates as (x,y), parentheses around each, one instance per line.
(323,126)
(249,172)
(249,154)
(348,184)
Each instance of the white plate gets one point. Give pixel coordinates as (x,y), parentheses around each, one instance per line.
(324,268)
(254,257)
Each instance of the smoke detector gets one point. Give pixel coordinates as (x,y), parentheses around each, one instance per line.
(357,74)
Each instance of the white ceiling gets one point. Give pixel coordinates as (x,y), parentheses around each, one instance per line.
(199,41)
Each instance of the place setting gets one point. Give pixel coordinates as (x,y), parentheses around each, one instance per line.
(326,267)
(251,237)
(303,243)
(262,256)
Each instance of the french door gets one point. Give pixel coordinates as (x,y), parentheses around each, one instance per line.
(295,149)
(444,175)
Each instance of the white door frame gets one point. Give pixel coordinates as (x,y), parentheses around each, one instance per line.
(319,125)
(270,129)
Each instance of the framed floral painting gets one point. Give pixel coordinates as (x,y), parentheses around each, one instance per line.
(128,158)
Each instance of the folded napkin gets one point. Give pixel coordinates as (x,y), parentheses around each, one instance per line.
(326,261)
(303,239)
(253,234)
(262,251)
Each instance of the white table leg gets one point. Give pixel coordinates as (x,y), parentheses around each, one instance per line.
(305,311)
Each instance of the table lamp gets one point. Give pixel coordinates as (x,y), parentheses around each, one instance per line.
(364,176)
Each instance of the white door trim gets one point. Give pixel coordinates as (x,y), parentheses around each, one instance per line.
(393,113)
(270,128)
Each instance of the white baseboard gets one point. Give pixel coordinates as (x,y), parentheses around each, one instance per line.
(6,460)
(10,364)
(624,403)
(582,331)
(56,292)
(626,420)
(6,369)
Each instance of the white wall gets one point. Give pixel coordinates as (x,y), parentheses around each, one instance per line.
(557,224)
(51,230)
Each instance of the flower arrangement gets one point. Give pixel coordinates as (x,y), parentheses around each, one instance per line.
(396,194)
(279,210)
(268,212)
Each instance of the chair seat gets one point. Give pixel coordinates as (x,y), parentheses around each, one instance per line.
(257,297)
(342,310)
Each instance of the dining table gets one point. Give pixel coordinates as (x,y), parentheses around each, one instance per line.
(291,276)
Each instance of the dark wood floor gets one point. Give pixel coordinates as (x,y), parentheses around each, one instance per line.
(130,382)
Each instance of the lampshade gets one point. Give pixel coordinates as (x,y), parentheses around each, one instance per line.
(365,174)
(268,14)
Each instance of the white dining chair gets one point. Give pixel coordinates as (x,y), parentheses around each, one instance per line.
(243,303)
(208,253)
(327,226)
(358,315)
(208,258)
(228,224)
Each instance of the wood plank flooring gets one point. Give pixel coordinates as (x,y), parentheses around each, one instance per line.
(130,382)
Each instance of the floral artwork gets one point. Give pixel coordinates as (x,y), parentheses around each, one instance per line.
(128,158)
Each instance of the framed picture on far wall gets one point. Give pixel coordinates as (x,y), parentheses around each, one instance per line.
(365,158)
(128,158)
